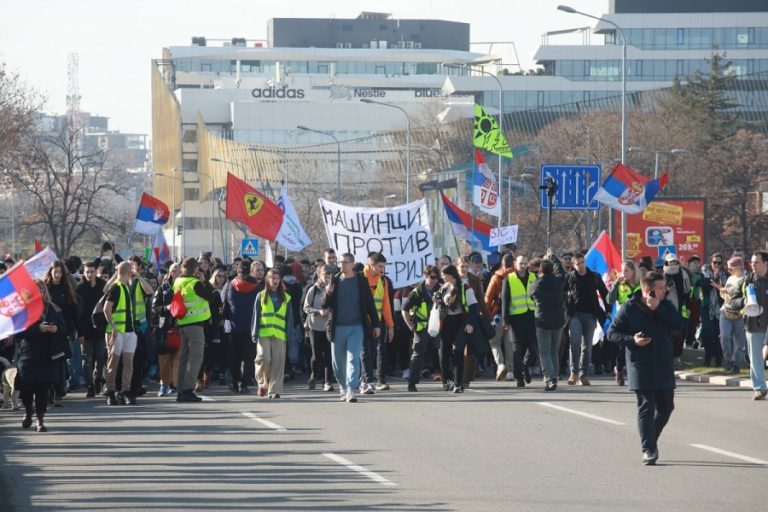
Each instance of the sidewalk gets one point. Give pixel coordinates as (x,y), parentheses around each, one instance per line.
(716,380)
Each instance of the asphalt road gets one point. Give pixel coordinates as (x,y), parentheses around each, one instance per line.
(492,448)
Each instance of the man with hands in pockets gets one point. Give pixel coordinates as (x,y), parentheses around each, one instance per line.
(643,327)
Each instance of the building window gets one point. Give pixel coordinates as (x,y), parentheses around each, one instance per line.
(587,67)
(191,194)
(680,36)
(540,98)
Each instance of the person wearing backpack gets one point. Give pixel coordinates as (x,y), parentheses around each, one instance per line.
(121,338)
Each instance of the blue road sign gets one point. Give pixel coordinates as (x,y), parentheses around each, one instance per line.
(666,249)
(576,186)
(249,247)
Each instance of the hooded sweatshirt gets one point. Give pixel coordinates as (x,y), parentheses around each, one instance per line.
(239,296)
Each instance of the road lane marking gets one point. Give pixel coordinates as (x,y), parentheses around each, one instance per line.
(264,422)
(477,390)
(360,469)
(745,458)
(207,398)
(580,413)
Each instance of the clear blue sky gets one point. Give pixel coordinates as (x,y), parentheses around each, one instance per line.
(116,39)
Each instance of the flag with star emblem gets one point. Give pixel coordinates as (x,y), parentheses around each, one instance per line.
(487,135)
(247,205)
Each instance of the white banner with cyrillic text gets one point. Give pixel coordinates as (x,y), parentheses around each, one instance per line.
(401,234)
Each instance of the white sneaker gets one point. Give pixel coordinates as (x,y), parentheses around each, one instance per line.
(501,372)
(367,389)
(342,393)
(351,397)
(406,374)
(328,386)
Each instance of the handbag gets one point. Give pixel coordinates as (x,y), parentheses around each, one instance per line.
(433,326)
(168,341)
(178,308)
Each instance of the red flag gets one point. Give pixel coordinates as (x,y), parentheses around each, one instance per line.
(38,246)
(249,206)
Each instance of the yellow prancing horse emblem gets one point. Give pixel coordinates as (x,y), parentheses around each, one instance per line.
(253,203)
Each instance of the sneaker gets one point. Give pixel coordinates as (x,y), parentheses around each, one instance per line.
(111,399)
(572,378)
(188,396)
(351,399)
(412,388)
(164,390)
(447,385)
(458,389)
(501,372)
(527,375)
(91,391)
(327,386)
(759,394)
(129,399)
(234,388)
(382,386)
(120,398)
(584,381)
(734,370)
(510,376)
(342,394)
(262,392)
(311,384)
(406,374)
(367,389)
(520,383)
(650,458)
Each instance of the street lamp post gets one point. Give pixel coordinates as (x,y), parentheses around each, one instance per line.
(338,157)
(501,111)
(656,153)
(408,144)
(571,10)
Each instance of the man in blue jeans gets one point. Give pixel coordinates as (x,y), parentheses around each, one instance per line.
(353,317)
(582,286)
(756,325)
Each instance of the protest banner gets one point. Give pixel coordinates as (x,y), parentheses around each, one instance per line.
(504,235)
(401,234)
(38,265)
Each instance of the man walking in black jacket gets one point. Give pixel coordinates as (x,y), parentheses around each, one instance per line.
(92,342)
(548,297)
(643,327)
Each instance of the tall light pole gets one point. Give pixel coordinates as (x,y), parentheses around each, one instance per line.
(408,143)
(338,157)
(501,111)
(571,10)
(656,153)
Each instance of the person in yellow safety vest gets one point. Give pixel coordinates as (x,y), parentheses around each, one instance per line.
(381,289)
(272,326)
(196,296)
(141,291)
(519,319)
(416,315)
(121,338)
(626,285)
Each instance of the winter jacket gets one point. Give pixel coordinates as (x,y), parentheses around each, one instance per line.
(367,309)
(547,293)
(88,296)
(493,293)
(755,323)
(35,349)
(239,296)
(649,367)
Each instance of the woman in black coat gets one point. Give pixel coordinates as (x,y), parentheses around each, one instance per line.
(41,348)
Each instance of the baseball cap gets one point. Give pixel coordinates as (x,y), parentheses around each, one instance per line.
(694,257)
(670,257)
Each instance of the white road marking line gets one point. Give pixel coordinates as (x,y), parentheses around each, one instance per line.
(580,413)
(731,454)
(360,469)
(207,398)
(264,422)
(478,390)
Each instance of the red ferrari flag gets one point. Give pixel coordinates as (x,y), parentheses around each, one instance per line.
(249,206)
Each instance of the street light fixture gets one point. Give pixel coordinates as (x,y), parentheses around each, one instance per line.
(501,109)
(571,10)
(338,157)
(673,151)
(408,143)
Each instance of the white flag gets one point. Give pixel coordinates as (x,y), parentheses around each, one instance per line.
(38,265)
(291,235)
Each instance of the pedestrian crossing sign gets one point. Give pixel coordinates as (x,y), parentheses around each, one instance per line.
(249,247)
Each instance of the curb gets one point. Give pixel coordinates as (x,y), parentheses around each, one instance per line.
(716,380)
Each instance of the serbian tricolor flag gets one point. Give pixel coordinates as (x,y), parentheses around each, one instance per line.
(160,252)
(485,192)
(152,214)
(249,206)
(627,191)
(463,226)
(603,257)
(21,303)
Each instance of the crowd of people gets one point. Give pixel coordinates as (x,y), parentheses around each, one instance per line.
(118,327)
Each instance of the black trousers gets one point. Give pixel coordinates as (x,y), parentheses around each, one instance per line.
(139,363)
(522,333)
(320,362)
(421,345)
(375,351)
(239,357)
(34,397)
(654,407)
(452,349)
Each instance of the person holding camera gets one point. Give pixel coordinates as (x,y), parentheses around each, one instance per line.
(416,316)
(643,327)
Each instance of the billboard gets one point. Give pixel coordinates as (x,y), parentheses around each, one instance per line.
(668,224)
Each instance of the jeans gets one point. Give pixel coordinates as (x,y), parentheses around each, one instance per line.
(734,341)
(654,407)
(347,347)
(582,331)
(755,344)
(75,364)
(549,344)
(94,359)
